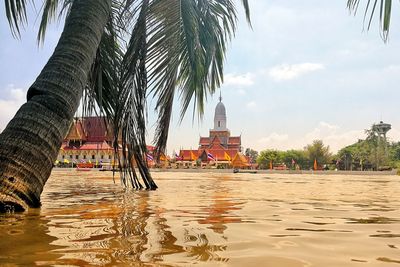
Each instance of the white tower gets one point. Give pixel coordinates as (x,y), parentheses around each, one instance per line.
(220,116)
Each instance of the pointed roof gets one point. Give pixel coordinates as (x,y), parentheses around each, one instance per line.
(240,161)
(76,132)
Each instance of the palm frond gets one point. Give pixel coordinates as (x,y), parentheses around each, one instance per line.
(247,10)
(187,51)
(16,15)
(385,12)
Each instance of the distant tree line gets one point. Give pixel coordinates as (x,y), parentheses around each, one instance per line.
(373,153)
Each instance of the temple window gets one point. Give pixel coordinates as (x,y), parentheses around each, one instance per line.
(84,156)
(92,156)
(102,156)
(70,156)
(76,156)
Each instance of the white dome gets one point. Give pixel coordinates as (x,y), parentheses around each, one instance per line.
(220,117)
(220,109)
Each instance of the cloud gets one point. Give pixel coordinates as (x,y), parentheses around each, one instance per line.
(251,105)
(332,136)
(14,98)
(274,137)
(242,80)
(286,72)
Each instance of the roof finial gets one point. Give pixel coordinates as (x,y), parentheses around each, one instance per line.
(220,97)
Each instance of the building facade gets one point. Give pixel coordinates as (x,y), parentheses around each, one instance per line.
(88,140)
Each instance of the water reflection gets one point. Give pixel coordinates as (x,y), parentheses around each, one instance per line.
(220,212)
(91,225)
(15,247)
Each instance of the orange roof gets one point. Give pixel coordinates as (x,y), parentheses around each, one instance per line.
(234,140)
(76,132)
(240,161)
(219,154)
(95,146)
(188,155)
(204,141)
(216,140)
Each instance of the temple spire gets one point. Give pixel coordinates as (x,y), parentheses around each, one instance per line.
(220,97)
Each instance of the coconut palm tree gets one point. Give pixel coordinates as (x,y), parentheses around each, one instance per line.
(113,54)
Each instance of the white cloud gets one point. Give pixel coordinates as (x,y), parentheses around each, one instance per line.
(288,72)
(242,80)
(332,136)
(14,98)
(251,105)
(273,138)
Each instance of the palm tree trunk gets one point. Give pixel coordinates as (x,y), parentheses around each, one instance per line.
(31,141)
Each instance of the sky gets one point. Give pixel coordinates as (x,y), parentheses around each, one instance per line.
(306,70)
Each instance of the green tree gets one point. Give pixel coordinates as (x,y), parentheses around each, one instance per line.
(116,53)
(268,157)
(317,151)
(253,154)
(298,156)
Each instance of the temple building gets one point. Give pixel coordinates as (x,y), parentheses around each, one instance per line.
(88,140)
(219,147)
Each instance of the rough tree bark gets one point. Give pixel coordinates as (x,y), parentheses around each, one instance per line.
(30,143)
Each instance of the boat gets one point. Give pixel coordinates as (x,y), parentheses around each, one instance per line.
(244,171)
(84,166)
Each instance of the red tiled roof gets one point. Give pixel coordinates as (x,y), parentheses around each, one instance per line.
(96,129)
(234,140)
(216,140)
(90,146)
(188,154)
(204,141)
(216,146)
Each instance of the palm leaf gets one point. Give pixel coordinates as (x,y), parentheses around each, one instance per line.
(16,15)
(385,12)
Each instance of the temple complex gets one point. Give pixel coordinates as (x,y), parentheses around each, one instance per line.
(89,140)
(219,147)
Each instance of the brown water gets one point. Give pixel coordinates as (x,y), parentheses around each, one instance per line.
(208,219)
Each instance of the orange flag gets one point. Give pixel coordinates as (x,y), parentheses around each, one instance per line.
(270,164)
(192,156)
(315,165)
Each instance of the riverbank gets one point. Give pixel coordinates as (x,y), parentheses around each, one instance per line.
(309,172)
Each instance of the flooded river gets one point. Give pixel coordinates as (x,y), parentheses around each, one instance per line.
(208,219)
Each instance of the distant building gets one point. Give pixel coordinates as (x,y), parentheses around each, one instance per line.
(88,140)
(219,147)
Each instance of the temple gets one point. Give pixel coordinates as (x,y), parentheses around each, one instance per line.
(88,140)
(219,147)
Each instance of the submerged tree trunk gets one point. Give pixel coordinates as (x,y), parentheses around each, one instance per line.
(31,141)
